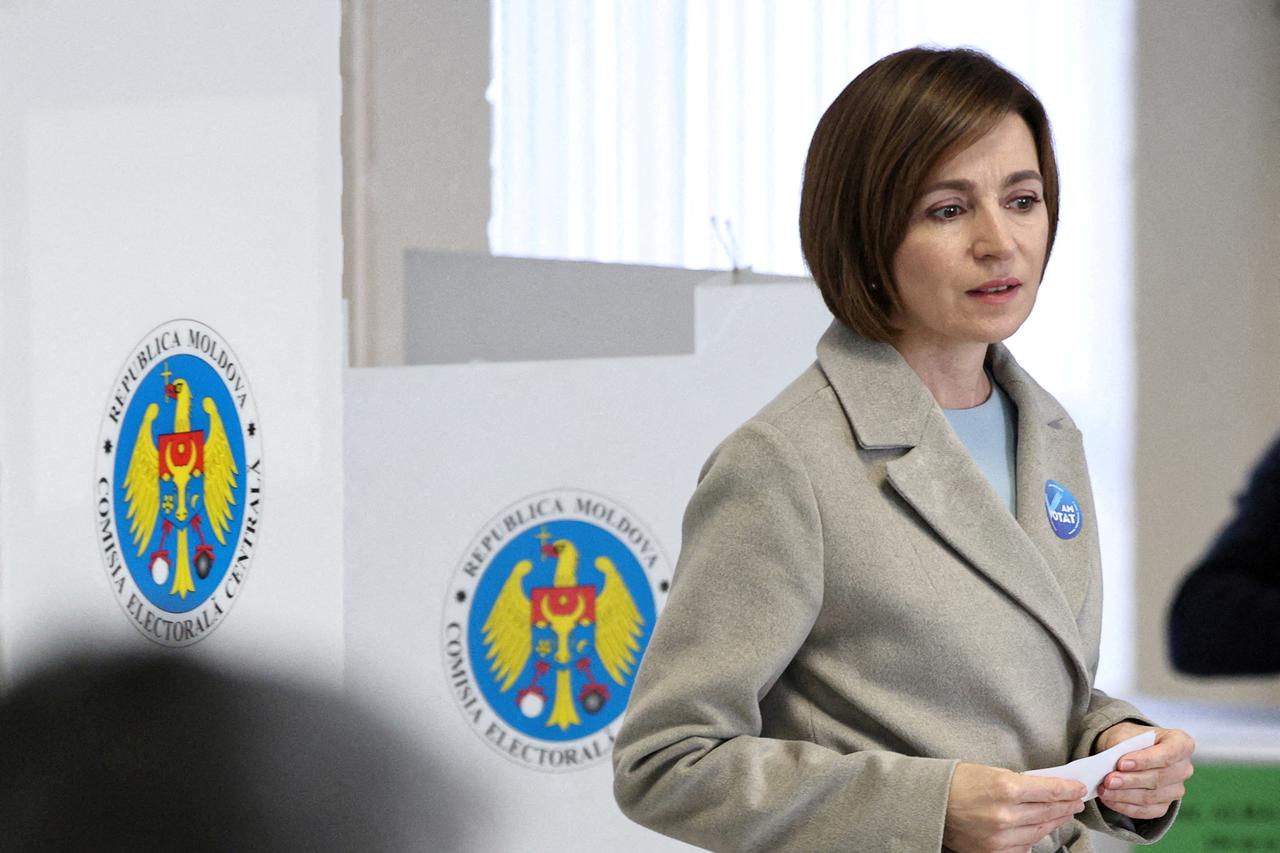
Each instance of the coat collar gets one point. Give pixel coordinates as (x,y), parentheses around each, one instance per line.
(889,407)
(887,404)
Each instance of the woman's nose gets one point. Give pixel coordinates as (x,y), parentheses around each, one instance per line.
(992,237)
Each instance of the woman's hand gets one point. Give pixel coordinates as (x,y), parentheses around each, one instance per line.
(1147,781)
(993,811)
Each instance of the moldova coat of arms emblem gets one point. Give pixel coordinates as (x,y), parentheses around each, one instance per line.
(551,610)
(179,483)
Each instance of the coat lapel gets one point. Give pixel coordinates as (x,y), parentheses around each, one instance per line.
(889,407)
(1049,447)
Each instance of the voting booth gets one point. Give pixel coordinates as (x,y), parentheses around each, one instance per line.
(171,330)
(570,476)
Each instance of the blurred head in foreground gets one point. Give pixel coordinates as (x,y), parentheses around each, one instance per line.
(162,753)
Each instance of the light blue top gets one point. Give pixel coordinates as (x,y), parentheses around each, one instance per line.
(990,433)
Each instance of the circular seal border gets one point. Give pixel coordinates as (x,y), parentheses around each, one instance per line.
(161,626)
(545,756)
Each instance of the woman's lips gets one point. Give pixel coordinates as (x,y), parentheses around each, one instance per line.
(997,291)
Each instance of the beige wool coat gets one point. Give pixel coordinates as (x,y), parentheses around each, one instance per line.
(855,611)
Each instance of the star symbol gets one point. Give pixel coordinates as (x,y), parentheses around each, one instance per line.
(664,586)
(106,446)
(461,596)
(252,428)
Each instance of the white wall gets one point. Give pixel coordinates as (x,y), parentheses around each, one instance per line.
(1207,257)
(416,146)
(169,160)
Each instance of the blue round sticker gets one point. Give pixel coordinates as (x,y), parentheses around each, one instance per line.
(1065,515)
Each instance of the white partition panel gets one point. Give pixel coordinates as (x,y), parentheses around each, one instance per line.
(452,477)
(172,185)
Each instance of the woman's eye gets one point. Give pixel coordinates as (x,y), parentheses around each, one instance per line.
(947,211)
(1024,202)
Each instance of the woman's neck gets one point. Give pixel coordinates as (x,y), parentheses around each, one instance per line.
(953,373)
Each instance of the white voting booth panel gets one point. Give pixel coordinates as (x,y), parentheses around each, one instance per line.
(170,172)
(436,456)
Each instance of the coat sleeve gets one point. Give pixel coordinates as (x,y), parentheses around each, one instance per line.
(1104,712)
(691,760)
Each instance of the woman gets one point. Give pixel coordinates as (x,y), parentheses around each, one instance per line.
(878,616)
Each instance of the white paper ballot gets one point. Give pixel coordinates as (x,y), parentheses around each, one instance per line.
(1091,771)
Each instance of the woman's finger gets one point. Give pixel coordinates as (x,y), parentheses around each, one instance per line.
(1138,812)
(1146,798)
(1151,779)
(1031,814)
(1171,746)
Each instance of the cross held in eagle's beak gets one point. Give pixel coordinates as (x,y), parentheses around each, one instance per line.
(544,536)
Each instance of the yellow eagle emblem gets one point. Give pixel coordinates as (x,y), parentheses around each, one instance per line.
(181,479)
(559,627)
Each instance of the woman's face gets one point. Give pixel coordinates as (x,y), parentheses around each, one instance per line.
(970,264)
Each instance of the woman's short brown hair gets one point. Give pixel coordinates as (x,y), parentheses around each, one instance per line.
(871,153)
